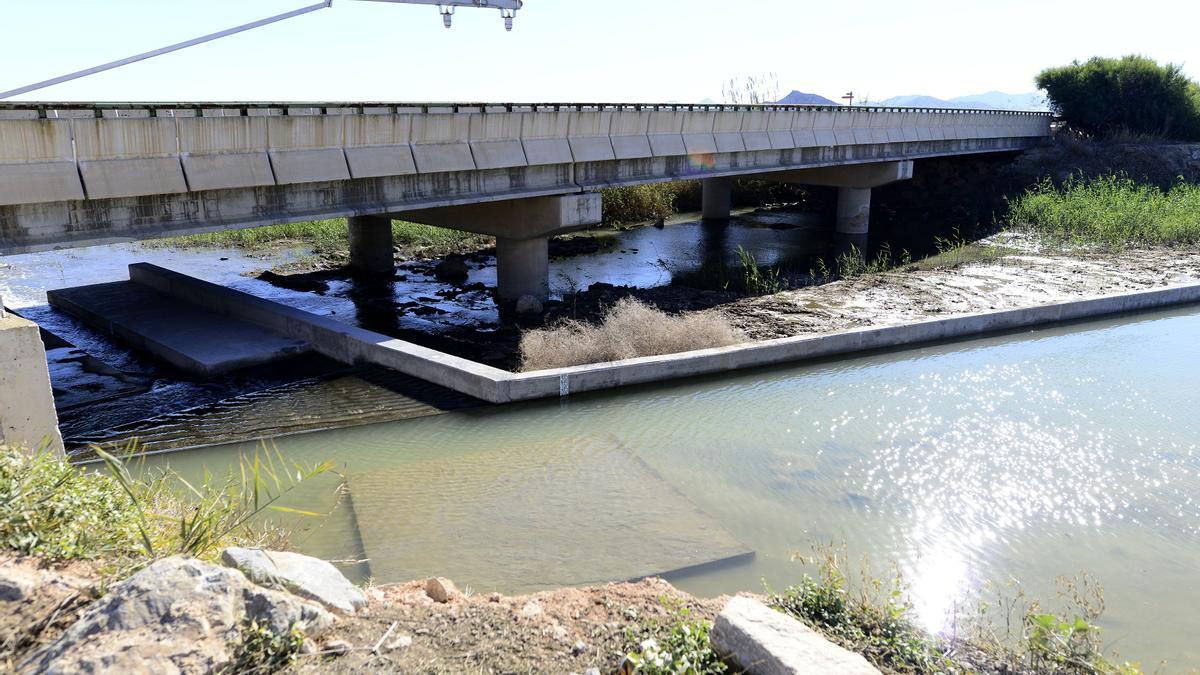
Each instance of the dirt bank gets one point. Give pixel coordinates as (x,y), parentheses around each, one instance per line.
(562,631)
(1019,276)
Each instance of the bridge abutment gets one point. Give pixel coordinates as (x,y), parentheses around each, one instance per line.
(716,198)
(371,245)
(27,415)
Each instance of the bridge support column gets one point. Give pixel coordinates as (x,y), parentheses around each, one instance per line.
(27,415)
(371,245)
(522,228)
(716,198)
(854,183)
(853,210)
(522,268)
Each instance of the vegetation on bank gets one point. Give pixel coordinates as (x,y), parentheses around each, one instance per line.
(53,509)
(1132,96)
(629,329)
(332,238)
(1112,212)
(874,618)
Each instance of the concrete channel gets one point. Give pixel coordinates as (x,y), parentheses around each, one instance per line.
(352,345)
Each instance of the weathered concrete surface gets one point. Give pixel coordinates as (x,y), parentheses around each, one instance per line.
(523,269)
(188,337)
(27,415)
(151,171)
(762,641)
(516,218)
(853,211)
(338,341)
(716,198)
(302,575)
(179,615)
(371,245)
(348,344)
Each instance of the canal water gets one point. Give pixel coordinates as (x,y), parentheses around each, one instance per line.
(1020,457)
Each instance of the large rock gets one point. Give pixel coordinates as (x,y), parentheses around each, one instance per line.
(453,270)
(303,575)
(762,641)
(179,615)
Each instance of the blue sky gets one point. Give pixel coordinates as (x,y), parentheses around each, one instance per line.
(576,50)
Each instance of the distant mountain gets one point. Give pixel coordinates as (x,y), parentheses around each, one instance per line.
(990,100)
(998,99)
(921,101)
(801,98)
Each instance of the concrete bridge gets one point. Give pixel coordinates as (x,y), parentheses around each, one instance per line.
(82,174)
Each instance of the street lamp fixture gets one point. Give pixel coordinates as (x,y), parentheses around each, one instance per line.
(508,11)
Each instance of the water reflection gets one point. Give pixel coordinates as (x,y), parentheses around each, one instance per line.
(1023,457)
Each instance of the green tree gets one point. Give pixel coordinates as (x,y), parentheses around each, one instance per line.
(1109,97)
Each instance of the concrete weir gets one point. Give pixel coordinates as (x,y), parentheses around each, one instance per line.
(352,345)
(189,337)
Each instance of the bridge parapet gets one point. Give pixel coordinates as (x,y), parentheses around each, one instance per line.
(57,152)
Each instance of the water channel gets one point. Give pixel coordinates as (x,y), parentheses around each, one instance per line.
(1025,456)
(1022,457)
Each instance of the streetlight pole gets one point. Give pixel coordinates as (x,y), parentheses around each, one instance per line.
(508,10)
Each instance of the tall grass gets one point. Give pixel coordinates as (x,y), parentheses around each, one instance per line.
(1112,211)
(131,515)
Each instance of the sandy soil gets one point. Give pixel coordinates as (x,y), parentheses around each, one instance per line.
(38,601)
(568,630)
(1022,278)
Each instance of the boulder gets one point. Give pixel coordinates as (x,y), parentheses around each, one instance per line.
(441,590)
(453,270)
(762,641)
(302,575)
(179,615)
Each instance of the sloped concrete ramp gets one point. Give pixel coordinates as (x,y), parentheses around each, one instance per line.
(526,519)
(187,336)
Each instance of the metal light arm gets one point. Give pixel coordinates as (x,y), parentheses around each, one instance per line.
(508,8)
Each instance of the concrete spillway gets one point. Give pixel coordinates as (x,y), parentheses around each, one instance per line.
(189,337)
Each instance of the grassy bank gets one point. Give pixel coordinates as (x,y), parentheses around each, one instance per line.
(130,516)
(331,238)
(1112,212)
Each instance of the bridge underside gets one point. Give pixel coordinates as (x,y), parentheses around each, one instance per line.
(85,222)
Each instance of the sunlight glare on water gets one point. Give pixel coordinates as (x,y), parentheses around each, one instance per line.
(1020,457)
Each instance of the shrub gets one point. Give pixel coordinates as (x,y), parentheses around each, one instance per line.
(1132,95)
(630,329)
(637,203)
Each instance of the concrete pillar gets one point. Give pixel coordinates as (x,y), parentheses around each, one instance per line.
(717,198)
(523,268)
(371,245)
(853,210)
(27,415)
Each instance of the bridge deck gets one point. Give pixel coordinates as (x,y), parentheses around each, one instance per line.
(77,174)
